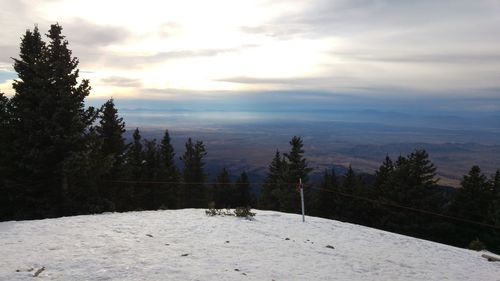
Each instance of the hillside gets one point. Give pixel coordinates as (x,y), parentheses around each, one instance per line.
(188,245)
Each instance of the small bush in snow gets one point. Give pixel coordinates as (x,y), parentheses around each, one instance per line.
(477,245)
(212,211)
(243,212)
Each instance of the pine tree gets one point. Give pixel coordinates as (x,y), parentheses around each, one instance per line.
(6,205)
(296,170)
(129,195)
(110,133)
(110,130)
(135,156)
(471,201)
(243,195)
(494,209)
(5,133)
(347,208)
(51,123)
(349,181)
(193,193)
(297,164)
(422,170)
(169,173)
(223,192)
(85,171)
(4,111)
(151,161)
(327,198)
(31,189)
(152,194)
(413,182)
(275,180)
(383,176)
(169,169)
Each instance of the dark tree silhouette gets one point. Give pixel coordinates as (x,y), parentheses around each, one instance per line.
(193,193)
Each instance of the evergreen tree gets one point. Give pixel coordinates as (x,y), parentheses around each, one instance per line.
(51,124)
(85,171)
(383,176)
(494,209)
(151,194)
(193,193)
(328,199)
(151,161)
(275,180)
(135,156)
(5,134)
(297,164)
(347,207)
(31,192)
(169,169)
(296,169)
(4,111)
(223,193)
(472,200)
(129,195)
(410,182)
(6,204)
(349,181)
(169,172)
(110,130)
(413,182)
(422,170)
(243,198)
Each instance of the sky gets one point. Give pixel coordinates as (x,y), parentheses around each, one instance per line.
(317,50)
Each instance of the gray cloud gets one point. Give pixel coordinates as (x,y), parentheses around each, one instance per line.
(378,23)
(121,81)
(7,53)
(91,35)
(114,60)
(306,83)
(449,58)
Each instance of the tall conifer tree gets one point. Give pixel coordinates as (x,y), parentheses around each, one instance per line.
(193,193)
(110,130)
(243,197)
(275,180)
(51,122)
(327,198)
(169,173)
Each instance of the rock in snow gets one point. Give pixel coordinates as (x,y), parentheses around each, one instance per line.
(133,246)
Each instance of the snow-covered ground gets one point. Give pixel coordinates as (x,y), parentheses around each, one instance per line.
(188,245)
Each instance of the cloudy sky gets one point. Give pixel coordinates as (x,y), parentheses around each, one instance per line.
(174,50)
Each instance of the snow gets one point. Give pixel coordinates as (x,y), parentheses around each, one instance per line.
(188,245)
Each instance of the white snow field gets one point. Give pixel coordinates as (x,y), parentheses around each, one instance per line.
(188,245)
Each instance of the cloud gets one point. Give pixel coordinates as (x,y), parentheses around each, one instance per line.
(6,87)
(366,47)
(118,81)
(169,29)
(7,52)
(130,60)
(91,35)
(449,58)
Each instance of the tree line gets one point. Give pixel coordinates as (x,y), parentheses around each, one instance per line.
(61,158)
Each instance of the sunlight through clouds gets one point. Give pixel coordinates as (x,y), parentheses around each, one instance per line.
(361,47)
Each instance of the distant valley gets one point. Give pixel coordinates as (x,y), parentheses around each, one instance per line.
(248,141)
